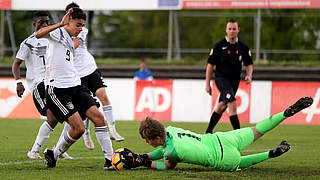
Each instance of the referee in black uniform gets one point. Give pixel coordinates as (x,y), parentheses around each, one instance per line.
(228,55)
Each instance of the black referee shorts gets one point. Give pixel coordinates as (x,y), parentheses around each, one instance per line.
(64,102)
(39,98)
(93,81)
(228,89)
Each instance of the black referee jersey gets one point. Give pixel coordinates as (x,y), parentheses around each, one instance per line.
(228,58)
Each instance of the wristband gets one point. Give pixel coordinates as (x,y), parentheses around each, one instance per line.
(18,81)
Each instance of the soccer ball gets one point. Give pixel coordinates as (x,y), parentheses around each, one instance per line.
(117,159)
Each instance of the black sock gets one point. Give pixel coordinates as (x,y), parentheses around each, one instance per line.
(235,121)
(215,117)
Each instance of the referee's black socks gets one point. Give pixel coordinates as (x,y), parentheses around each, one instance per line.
(215,117)
(235,121)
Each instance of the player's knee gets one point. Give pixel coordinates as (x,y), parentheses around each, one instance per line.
(78,129)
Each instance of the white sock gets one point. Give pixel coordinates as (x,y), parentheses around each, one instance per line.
(66,128)
(63,144)
(107,111)
(86,124)
(104,141)
(42,137)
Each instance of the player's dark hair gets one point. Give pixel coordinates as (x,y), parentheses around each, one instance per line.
(233,21)
(72,5)
(39,14)
(151,128)
(78,13)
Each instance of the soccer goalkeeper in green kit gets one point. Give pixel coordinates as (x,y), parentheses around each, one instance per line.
(220,150)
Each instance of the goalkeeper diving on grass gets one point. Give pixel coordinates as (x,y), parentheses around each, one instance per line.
(220,150)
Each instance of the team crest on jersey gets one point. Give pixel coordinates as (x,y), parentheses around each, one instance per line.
(70,105)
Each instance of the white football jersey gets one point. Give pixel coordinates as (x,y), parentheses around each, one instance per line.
(84,61)
(33,52)
(60,70)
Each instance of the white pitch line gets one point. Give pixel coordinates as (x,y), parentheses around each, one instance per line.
(37,161)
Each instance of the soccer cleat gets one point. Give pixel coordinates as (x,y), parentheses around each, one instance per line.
(88,140)
(64,155)
(298,106)
(107,165)
(282,148)
(114,134)
(50,160)
(33,155)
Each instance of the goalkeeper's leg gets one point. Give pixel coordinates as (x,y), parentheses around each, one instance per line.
(249,160)
(268,124)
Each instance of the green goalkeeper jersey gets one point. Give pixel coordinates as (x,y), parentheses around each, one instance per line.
(189,147)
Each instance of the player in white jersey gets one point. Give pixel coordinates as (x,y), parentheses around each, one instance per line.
(91,78)
(66,98)
(33,51)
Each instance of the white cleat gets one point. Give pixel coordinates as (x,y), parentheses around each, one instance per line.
(33,155)
(114,134)
(65,155)
(88,140)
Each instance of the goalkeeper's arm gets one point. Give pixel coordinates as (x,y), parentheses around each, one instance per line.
(155,155)
(144,160)
(162,165)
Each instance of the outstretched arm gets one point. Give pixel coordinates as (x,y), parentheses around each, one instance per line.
(133,160)
(44,32)
(160,165)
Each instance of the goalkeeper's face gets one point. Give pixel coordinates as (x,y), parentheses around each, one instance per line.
(155,142)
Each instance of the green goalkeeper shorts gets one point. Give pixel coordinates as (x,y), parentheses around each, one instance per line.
(232,143)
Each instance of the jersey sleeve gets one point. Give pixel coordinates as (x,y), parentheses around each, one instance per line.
(247,57)
(56,34)
(23,51)
(83,34)
(156,154)
(214,55)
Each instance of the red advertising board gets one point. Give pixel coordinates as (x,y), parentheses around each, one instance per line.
(243,102)
(286,93)
(252,4)
(5,4)
(153,98)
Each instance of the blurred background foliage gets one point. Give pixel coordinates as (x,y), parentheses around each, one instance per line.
(281,30)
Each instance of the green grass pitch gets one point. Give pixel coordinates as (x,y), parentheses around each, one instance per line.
(18,135)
